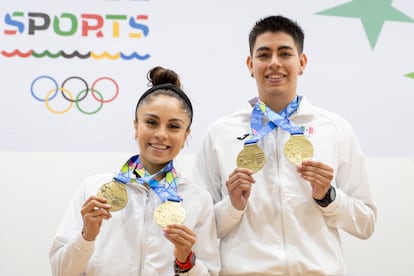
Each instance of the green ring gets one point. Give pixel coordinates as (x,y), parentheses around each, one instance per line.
(85,112)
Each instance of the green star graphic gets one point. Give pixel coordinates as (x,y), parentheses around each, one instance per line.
(373,14)
(410,75)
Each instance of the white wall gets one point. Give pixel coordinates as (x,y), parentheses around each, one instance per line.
(36,188)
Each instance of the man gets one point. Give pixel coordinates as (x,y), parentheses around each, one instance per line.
(285,176)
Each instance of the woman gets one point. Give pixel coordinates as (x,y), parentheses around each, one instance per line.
(146,219)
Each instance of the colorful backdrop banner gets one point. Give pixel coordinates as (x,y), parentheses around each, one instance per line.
(72,71)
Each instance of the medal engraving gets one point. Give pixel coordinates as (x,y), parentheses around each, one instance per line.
(251,157)
(169,213)
(115,194)
(297,149)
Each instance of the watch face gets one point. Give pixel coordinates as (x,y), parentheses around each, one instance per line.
(332,193)
(192,259)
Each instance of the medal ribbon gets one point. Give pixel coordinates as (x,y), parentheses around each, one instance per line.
(281,120)
(134,171)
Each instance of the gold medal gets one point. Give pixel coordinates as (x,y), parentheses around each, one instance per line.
(170,212)
(115,194)
(297,149)
(251,157)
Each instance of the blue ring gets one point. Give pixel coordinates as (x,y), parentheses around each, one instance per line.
(47,77)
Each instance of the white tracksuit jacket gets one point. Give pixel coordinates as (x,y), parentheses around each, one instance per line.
(130,243)
(283,231)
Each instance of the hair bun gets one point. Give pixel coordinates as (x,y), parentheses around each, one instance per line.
(160,75)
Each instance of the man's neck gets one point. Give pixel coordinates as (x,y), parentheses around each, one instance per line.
(277,104)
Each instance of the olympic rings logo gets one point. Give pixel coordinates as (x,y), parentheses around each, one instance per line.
(51,90)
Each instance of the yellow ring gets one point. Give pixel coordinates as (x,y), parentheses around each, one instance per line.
(63,90)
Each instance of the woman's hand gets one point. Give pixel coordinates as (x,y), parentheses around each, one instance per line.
(183,239)
(94,210)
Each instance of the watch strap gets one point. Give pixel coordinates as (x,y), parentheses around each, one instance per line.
(328,198)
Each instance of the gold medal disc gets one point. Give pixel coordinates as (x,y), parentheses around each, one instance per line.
(297,149)
(251,157)
(169,213)
(115,194)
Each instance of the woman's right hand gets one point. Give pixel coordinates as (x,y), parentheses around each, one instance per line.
(183,239)
(94,210)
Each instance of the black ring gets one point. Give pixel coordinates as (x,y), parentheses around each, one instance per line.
(80,99)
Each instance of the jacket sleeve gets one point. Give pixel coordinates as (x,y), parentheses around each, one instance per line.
(69,254)
(206,248)
(353,210)
(208,172)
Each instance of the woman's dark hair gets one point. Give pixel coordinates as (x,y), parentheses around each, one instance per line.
(165,82)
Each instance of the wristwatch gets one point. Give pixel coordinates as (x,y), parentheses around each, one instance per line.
(185,267)
(329,197)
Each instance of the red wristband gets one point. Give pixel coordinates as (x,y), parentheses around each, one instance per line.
(188,264)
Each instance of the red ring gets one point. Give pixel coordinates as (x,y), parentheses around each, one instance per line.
(100,100)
